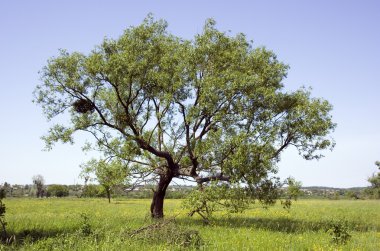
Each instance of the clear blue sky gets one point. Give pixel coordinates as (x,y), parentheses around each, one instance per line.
(332,46)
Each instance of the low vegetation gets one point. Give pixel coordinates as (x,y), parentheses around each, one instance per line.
(94,224)
(3,231)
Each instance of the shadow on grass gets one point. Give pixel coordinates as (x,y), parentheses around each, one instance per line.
(31,235)
(281,224)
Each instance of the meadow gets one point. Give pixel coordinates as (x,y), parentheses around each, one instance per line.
(94,224)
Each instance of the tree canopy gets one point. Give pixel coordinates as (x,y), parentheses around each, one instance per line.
(374,189)
(39,182)
(211,108)
(108,174)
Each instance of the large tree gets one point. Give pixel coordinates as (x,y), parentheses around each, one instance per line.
(207,109)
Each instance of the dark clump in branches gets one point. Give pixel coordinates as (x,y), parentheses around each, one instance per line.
(83,106)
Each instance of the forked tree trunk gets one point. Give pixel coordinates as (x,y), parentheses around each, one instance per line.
(157,206)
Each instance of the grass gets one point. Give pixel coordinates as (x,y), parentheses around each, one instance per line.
(57,224)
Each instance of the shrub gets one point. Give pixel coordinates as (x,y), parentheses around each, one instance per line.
(58,191)
(85,226)
(216,197)
(92,190)
(339,232)
(2,214)
(169,233)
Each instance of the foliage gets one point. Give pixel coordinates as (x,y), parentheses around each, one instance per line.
(7,189)
(211,108)
(236,199)
(108,174)
(292,192)
(339,232)
(85,226)
(352,195)
(216,197)
(3,223)
(57,191)
(39,182)
(374,189)
(92,190)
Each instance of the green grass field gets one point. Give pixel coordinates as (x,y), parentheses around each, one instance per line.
(59,224)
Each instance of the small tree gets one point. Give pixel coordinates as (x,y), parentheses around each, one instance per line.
(291,192)
(374,189)
(108,174)
(39,182)
(8,189)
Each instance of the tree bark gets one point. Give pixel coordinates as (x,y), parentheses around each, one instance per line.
(157,206)
(108,195)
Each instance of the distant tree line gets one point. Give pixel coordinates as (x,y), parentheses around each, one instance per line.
(121,189)
(87,191)
(175,192)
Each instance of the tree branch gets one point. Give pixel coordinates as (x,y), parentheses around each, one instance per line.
(219,177)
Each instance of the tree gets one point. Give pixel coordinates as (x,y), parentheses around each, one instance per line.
(8,189)
(208,109)
(374,189)
(39,182)
(108,174)
(57,190)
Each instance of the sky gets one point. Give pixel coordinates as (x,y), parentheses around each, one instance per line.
(331,46)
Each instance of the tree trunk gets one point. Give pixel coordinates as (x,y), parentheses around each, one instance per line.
(108,195)
(157,206)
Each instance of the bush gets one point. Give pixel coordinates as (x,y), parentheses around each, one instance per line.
(216,197)
(169,233)
(339,232)
(352,195)
(93,191)
(57,191)
(2,215)
(85,226)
